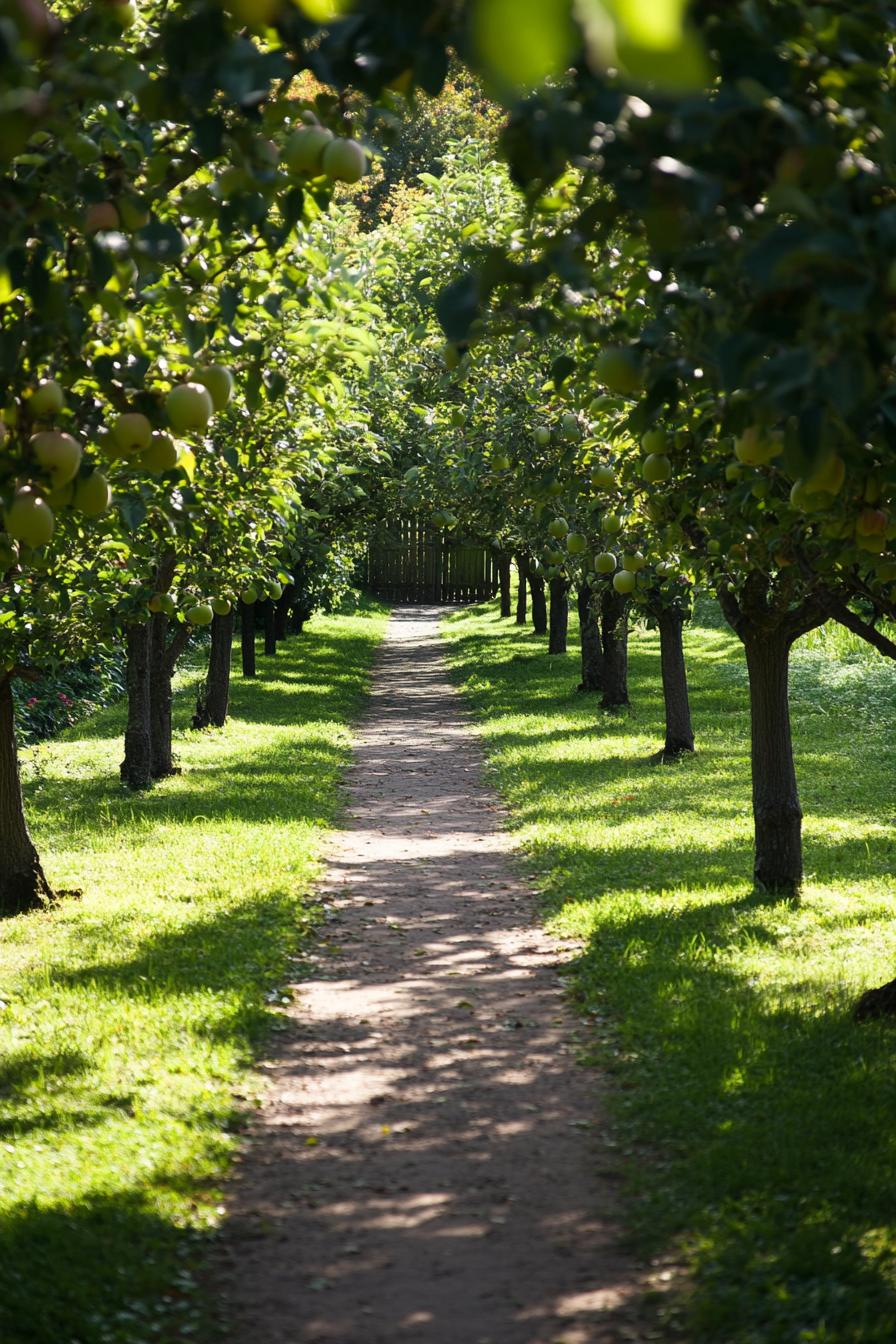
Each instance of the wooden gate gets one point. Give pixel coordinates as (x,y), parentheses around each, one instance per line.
(411,562)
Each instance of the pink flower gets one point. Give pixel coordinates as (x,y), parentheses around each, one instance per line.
(31,702)
(64,698)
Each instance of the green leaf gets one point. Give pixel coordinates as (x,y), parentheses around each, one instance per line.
(520,43)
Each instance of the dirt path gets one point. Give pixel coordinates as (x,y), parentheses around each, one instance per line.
(426,1166)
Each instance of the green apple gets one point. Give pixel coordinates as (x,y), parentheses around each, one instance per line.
(303,150)
(131,433)
(569,427)
(249,595)
(275,590)
(558,527)
(200,614)
(624,581)
(221,607)
(634,562)
(656,468)
(542,436)
(46,400)
(757,446)
(29,518)
(219,381)
(603,477)
(92,494)
(161,455)
(611,523)
(654,441)
(344,161)
(619,370)
(59,454)
(189,407)
(605,563)
(828,478)
(576,543)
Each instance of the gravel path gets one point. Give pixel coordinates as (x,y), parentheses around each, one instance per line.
(428,1163)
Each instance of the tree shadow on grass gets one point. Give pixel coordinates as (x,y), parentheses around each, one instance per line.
(770,1114)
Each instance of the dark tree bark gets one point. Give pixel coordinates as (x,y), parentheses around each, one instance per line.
(768,624)
(777,813)
(679,732)
(214,693)
(247,637)
(614,641)
(503,561)
(284,604)
(164,651)
(876,1003)
(539,605)
(23,885)
(270,629)
(136,768)
(592,650)
(559,615)
(522,562)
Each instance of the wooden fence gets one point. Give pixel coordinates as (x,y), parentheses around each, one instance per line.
(411,562)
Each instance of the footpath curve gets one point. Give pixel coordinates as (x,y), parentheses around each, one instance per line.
(428,1164)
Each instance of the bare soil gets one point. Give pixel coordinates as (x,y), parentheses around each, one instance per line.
(429,1163)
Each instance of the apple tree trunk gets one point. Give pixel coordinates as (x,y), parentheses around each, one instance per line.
(214,693)
(270,628)
(539,605)
(136,768)
(504,583)
(559,616)
(592,651)
(777,814)
(614,641)
(247,637)
(284,605)
(22,882)
(522,561)
(679,732)
(160,698)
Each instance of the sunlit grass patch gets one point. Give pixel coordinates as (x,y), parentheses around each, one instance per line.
(130,1016)
(753,1117)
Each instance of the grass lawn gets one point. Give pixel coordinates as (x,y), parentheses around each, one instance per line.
(129,1019)
(754,1120)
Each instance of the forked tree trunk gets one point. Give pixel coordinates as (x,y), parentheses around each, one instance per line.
(679,732)
(504,583)
(214,693)
(592,651)
(614,640)
(247,637)
(270,629)
(22,882)
(284,603)
(136,768)
(776,805)
(522,561)
(539,605)
(559,617)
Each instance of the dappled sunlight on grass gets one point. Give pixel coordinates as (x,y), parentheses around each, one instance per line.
(753,1116)
(130,1015)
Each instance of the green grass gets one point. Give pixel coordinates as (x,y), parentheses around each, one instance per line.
(129,1018)
(754,1120)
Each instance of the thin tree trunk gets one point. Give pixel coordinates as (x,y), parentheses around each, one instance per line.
(539,605)
(614,640)
(284,603)
(679,732)
(214,692)
(503,561)
(270,631)
(247,637)
(592,650)
(777,813)
(522,561)
(559,617)
(23,885)
(160,698)
(136,768)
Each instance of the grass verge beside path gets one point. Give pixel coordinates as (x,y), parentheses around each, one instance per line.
(129,1019)
(754,1120)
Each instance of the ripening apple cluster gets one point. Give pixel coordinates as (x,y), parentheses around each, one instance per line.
(203,612)
(312,150)
(60,478)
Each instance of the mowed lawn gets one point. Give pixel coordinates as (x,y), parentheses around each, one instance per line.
(753,1120)
(128,1018)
